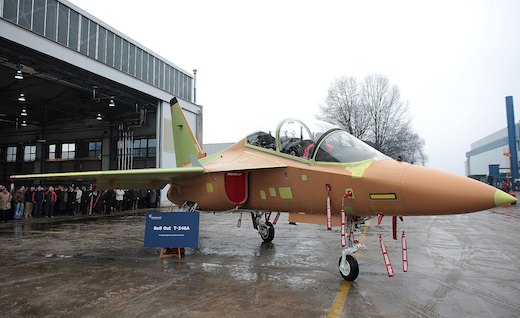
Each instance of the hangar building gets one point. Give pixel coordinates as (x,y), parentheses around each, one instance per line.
(76,94)
(490,150)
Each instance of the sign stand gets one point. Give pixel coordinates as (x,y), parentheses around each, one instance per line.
(168,252)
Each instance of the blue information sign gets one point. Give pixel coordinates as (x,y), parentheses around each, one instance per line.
(172,229)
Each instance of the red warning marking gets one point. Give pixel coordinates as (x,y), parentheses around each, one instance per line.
(394,227)
(343,228)
(379,218)
(386,258)
(276,218)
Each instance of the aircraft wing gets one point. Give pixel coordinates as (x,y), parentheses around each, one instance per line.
(126,179)
(237,158)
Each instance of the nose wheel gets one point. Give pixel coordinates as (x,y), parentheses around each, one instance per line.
(348,267)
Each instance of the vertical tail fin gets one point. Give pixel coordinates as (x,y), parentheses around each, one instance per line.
(185,144)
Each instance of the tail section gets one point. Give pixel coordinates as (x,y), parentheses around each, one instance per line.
(185,144)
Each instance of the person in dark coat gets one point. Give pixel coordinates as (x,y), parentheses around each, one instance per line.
(110,200)
(71,200)
(37,198)
(29,205)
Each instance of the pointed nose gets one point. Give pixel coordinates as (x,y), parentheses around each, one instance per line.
(428,191)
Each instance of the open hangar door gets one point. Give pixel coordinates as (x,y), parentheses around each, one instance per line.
(58,117)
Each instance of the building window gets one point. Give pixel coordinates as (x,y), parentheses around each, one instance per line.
(145,148)
(83,37)
(73,30)
(38,24)
(94,149)
(50,21)
(102,39)
(131,62)
(11,154)
(29,153)
(110,48)
(138,63)
(25,14)
(124,56)
(52,152)
(10,10)
(68,151)
(117,52)
(92,39)
(63,24)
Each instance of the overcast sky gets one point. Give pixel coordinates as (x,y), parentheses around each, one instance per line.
(261,61)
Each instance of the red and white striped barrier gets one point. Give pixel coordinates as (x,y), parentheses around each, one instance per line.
(388,264)
(343,228)
(405,253)
(329,214)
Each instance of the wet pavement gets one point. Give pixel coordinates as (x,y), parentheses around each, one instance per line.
(459,266)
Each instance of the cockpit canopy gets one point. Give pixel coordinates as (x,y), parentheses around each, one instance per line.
(315,140)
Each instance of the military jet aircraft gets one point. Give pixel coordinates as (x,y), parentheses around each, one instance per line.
(306,169)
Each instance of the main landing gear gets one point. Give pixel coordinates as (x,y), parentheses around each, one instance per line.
(264,227)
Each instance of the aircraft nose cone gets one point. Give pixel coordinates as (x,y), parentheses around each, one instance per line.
(502,198)
(428,191)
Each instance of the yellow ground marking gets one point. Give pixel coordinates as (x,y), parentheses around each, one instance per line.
(344,288)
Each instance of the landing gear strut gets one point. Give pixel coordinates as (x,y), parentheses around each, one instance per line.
(265,228)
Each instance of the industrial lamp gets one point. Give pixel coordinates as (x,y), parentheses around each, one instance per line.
(24,123)
(99,117)
(112,104)
(24,111)
(21,98)
(18,75)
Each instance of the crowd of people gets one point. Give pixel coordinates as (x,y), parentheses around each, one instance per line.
(39,201)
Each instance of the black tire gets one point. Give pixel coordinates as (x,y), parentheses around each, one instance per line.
(270,233)
(353,266)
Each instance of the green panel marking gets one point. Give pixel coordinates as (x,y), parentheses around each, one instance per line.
(304,177)
(285,193)
(262,195)
(358,168)
(209,187)
(349,210)
(383,196)
(272,192)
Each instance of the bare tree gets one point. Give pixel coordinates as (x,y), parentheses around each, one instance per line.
(343,107)
(374,112)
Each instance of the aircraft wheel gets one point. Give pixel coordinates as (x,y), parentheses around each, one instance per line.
(268,233)
(350,271)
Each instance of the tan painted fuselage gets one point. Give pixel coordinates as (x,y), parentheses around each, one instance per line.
(385,186)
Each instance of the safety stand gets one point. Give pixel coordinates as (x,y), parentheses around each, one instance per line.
(168,252)
(329,213)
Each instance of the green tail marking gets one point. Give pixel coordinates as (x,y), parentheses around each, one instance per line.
(185,144)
